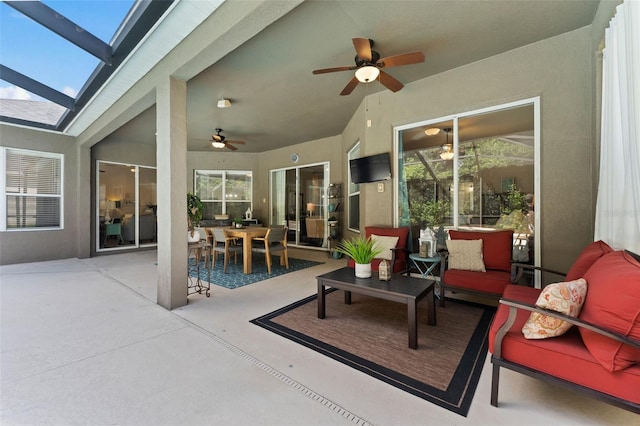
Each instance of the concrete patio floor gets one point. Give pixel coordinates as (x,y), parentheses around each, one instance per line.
(83,342)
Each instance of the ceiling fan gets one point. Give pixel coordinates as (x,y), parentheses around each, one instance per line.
(368,66)
(220,141)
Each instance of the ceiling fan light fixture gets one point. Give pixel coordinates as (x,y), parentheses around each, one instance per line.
(447,152)
(217,144)
(432,131)
(367,74)
(447,149)
(224,103)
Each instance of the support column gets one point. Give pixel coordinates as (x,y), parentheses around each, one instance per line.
(171,162)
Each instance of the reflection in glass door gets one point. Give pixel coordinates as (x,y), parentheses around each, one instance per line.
(479,168)
(126,206)
(298,201)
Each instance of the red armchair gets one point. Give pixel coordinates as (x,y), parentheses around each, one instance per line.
(600,354)
(496,255)
(400,253)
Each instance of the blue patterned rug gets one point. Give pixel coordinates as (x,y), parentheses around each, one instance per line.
(235,278)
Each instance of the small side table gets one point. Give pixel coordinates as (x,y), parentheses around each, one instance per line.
(425,266)
(198,251)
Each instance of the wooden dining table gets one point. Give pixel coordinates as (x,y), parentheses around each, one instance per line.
(247,234)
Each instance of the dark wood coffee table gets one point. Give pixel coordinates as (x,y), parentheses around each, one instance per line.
(401,289)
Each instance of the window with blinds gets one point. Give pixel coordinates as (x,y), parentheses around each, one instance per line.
(32,190)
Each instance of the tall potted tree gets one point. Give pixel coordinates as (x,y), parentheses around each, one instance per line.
(194,216)
(362,251)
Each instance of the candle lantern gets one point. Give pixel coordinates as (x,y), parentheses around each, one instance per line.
(384,270)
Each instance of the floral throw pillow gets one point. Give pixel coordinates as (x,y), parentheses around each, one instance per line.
(566,298)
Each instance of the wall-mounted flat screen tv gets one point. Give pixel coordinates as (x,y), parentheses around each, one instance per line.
(373,168)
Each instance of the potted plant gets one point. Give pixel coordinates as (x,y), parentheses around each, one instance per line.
(194,216)
(362,251)
(238,222)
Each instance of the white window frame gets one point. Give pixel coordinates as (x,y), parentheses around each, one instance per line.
(224,174)
(354,152)
(3,188)
(536,102)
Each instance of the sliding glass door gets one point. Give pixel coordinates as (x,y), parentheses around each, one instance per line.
(125,206)
(299,202)
(479,167)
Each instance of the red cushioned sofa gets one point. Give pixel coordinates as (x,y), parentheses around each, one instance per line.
(600,354)
(496,254)
(400,253)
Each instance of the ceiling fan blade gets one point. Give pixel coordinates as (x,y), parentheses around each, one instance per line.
(390,82)
(363,48)
(328,70)
(404,59)
(231,147)
(236,142)
(217,138)
(349,87)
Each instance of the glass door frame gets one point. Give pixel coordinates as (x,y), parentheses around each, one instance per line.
(136,204)
(535,101)
(326,165)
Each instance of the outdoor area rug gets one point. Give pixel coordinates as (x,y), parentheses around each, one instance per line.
(371,335)
(235,278)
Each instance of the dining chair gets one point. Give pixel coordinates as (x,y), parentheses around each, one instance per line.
(273,243)
(222,243)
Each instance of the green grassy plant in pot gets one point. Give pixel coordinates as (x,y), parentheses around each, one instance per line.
(362,251)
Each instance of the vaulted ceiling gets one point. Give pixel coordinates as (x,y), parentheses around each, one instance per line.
(276,101)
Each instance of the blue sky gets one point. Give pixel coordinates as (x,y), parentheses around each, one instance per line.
(37,52)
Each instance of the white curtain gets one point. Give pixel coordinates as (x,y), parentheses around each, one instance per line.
(618,203)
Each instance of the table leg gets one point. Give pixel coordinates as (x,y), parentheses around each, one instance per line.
(321,299)
(347,297)
(431,306)
(246,255)
(412,317)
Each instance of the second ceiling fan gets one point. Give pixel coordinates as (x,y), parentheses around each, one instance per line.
(368,66)
(219,141)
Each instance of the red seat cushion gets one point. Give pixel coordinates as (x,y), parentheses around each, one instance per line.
(613,302)
(587,257)
(565,357)
(400,256)
(486,282)
(496,246)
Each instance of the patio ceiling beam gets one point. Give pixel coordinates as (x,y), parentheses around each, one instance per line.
(27,83)
(65,28)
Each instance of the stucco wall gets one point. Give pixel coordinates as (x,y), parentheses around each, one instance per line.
(313,152)
(32,245)
(560,71)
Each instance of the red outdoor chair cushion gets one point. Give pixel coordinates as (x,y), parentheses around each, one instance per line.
(613,302)
(589,255)
(496,247)
(565,357)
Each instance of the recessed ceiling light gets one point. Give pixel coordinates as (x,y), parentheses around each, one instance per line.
(224,103)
